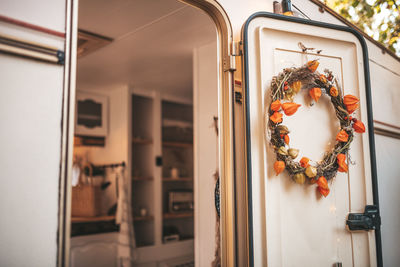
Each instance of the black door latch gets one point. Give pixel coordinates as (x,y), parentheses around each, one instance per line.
(369,220)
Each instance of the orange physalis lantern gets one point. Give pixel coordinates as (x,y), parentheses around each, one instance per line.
(276,117)
(276,105)
(290,108)
(304,162)
(334,91)
(342,136)
(286,139)
(351,108)
(322,78)
(350,100)
(323,191)
(312,65)
(279,166)
(315,93)
(322,182)
(341,160)
(359,127)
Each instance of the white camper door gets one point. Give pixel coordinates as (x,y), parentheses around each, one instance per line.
(291,224)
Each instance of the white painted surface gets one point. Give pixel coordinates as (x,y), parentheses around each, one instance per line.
(388,155)
(45,13)
(292,222)
(30,115)
(205,86)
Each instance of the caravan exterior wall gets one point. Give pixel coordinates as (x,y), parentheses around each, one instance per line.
(31,118)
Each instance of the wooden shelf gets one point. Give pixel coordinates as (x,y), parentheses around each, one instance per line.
(142,141)
(92,219)
(180,179)
(178,144)
(142,178)
(143,218)
(177,215)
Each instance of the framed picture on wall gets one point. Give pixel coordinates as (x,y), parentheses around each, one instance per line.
(91,114)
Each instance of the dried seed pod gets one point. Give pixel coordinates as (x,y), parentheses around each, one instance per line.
(276,105)
(351,108)
(299,178)
(290,108)
(283,151)
(286,139)
(293,153)
(350,100)
(304,162)
(312,65)
(315,93)
(311,171)
(359,127)
(282,129)
(334,91)
(322,182)
(342,136)
(279,166)
(276,117)
(323,191)
(341,160)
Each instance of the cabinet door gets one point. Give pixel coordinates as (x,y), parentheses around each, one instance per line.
(291,224)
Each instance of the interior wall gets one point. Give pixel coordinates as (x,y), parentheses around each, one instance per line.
(30,140)
(205,85)
(116,141)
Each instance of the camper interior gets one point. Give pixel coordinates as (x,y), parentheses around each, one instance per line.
(146,145)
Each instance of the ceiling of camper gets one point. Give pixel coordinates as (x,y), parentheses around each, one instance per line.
(152,47)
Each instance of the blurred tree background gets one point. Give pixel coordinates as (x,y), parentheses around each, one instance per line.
(380,19)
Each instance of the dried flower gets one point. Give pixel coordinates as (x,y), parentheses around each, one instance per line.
(341,160)
(322,78)
(296,86)
(312,65)
(293,153)
(304,162)
(350,100)
(282,129)
(359,127)
(279,166)
(315,93)
(290,108)
(299,178)
(311,171)
(276,117)
(286,139)
(323,191)
(322,182)
(276,105)
(334,91)
(342,136)
(351,108)
(282,151)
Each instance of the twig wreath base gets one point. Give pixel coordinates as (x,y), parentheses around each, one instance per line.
(284,87)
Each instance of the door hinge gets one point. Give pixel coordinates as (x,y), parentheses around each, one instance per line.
(236,52)
(369,220)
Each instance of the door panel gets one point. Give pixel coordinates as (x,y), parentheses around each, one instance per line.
(291,224)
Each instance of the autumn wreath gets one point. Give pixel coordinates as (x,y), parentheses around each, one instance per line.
(283,89)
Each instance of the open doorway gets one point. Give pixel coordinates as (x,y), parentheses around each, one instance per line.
(146,144)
